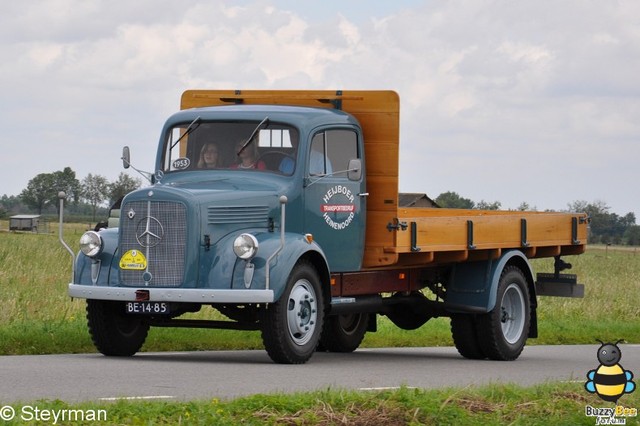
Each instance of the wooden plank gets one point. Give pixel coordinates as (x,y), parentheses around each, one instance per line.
(377,237)
(317,98)
(383,195)
(374,256)
(382,160)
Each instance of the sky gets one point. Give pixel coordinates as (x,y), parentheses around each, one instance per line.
(509,101)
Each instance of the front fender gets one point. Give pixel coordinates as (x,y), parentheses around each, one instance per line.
(280,266)
(101,270)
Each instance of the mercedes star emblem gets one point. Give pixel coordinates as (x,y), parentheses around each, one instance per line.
(149,232)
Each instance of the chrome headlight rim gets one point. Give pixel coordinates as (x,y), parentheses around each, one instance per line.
(245,246)
(91,244)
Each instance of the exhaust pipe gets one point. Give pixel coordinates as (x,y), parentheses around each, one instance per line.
(62,196)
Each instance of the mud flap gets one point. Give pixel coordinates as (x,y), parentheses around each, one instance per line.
(558,285)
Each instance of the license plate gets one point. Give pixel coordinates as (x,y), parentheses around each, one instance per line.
(147,308)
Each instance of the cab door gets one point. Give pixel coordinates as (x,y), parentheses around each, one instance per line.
(335,199)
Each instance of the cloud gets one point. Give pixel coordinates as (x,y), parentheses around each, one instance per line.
(523,98)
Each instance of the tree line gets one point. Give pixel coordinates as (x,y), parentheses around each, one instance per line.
(87,195)
(41,193)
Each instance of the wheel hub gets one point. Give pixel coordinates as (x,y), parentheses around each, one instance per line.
(512,314)
(302,312)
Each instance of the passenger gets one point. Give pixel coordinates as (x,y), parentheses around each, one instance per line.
(248,158)
(318,163)
(287,166)
(209,156)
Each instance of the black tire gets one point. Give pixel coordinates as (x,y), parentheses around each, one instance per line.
(465,336)
(112,331)
(503,332)
(291,327)
(344,333)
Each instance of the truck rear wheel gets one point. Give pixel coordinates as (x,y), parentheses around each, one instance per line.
(291,327)
(344,333)
(465,336)
(503,332)
(112,331)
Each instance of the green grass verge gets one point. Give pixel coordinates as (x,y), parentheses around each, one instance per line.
(38,317)
(548,404)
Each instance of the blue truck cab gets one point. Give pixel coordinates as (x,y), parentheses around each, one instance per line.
(286,190)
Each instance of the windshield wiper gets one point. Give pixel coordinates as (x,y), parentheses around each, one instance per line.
(258,127)
(194,125)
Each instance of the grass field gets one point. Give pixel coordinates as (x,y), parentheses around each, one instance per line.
(38,317)
(549,404)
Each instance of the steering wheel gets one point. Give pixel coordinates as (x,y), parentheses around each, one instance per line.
(278,161)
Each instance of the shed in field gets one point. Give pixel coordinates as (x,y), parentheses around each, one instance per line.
(412,199)
(24,222)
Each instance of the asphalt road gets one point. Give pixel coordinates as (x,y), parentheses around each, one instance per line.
(229,374)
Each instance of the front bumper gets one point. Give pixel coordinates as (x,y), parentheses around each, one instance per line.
(190,295)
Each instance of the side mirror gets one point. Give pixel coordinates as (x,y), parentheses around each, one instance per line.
(126,157)
(354,172)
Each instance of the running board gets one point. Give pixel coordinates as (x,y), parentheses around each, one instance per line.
(380,305)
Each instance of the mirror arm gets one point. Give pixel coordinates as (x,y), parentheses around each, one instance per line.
(126,163)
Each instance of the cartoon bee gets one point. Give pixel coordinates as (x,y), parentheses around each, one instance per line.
(610,381)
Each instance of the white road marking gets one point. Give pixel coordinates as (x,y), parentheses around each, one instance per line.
(383,388)
(129,398)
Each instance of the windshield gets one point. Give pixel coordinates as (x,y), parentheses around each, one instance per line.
(215,145)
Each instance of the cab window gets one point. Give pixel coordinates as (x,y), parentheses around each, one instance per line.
(215,146)
(331,151)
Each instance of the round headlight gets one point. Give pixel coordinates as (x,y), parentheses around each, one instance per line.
(245,246)
(91,243)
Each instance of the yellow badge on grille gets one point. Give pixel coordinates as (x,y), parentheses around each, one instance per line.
(133,260)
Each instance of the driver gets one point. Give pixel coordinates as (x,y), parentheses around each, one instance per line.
(209,156)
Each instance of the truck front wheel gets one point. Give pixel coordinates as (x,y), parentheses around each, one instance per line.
(291,327)
(503,332)
(112,331)
(344,333)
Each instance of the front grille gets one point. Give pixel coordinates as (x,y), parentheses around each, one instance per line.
(163,244)
(237,214)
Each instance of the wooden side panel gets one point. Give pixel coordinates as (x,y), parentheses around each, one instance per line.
(452,230)
(380,121)
(377,238)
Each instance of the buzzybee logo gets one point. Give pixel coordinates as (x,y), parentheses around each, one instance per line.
(610,381)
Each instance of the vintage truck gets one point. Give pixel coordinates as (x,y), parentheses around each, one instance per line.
(297,232)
